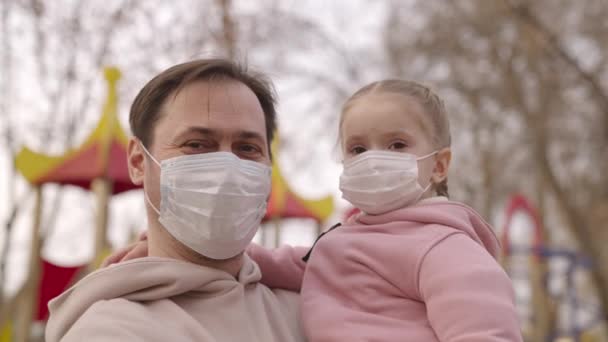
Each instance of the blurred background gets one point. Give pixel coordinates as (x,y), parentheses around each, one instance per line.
(525,82)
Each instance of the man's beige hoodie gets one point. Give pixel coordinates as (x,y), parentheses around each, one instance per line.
(157,299)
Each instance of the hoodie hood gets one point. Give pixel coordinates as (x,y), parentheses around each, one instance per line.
(440,212)
(144,279)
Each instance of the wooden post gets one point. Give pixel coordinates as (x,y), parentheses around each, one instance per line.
(26,309)
(102,188)
(541,299)
(263,235)
(277,231)
(539,302)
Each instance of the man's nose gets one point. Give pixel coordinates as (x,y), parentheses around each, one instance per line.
(225,147)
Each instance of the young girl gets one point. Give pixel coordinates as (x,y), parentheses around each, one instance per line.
(413,266)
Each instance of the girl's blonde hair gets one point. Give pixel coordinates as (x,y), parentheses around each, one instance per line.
(430,102)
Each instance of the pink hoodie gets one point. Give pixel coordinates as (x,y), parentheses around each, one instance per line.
(422,273)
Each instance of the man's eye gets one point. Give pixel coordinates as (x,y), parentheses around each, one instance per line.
(249,149)
(196,145)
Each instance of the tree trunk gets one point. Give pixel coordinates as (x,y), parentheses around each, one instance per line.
(593,245)
(229,29)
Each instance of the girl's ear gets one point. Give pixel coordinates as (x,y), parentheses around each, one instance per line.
(442,165)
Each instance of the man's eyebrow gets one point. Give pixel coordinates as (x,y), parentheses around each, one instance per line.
(250,135)
(198,130)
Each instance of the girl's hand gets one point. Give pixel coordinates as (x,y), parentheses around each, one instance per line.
(135,250)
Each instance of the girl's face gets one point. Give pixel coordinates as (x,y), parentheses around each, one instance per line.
(392,122)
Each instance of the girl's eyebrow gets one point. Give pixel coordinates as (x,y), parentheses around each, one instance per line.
(396,133)
(355,137)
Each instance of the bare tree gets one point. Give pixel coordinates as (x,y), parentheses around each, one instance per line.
(60,85)
(229,29)
(11,204)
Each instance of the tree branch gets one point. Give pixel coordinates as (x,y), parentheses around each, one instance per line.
(525,14)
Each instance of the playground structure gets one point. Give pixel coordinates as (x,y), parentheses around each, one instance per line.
(549,312)
(99,165)
(286,204)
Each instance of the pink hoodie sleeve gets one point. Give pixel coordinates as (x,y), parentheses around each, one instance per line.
(281,268)
(469,298)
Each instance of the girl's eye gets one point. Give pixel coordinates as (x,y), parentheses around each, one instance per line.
(357,150)
(399,145)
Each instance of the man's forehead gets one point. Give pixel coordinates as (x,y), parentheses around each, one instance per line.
(221,105)
(213,93)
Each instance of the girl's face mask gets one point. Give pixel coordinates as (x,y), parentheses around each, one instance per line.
(381,181)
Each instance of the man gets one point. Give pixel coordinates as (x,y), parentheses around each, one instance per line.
(201,150)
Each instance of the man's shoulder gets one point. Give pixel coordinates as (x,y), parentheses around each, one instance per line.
(289,304)
(112,307)
(104,319)
(117,311)
(117,319)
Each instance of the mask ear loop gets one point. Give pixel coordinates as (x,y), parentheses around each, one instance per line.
(426,156)
(430,180)
(148,153)
(423,192)
(150,202)
(145,192)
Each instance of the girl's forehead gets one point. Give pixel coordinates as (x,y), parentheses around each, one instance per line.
(385,111)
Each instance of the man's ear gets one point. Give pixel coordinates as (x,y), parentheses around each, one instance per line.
(135,160)
(442,165)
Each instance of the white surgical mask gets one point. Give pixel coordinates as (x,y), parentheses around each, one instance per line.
(381,181)
(212,202)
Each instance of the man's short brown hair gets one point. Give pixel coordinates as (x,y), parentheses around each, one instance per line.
(146,108)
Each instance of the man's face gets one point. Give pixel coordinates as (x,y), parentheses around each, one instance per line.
(204,117)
